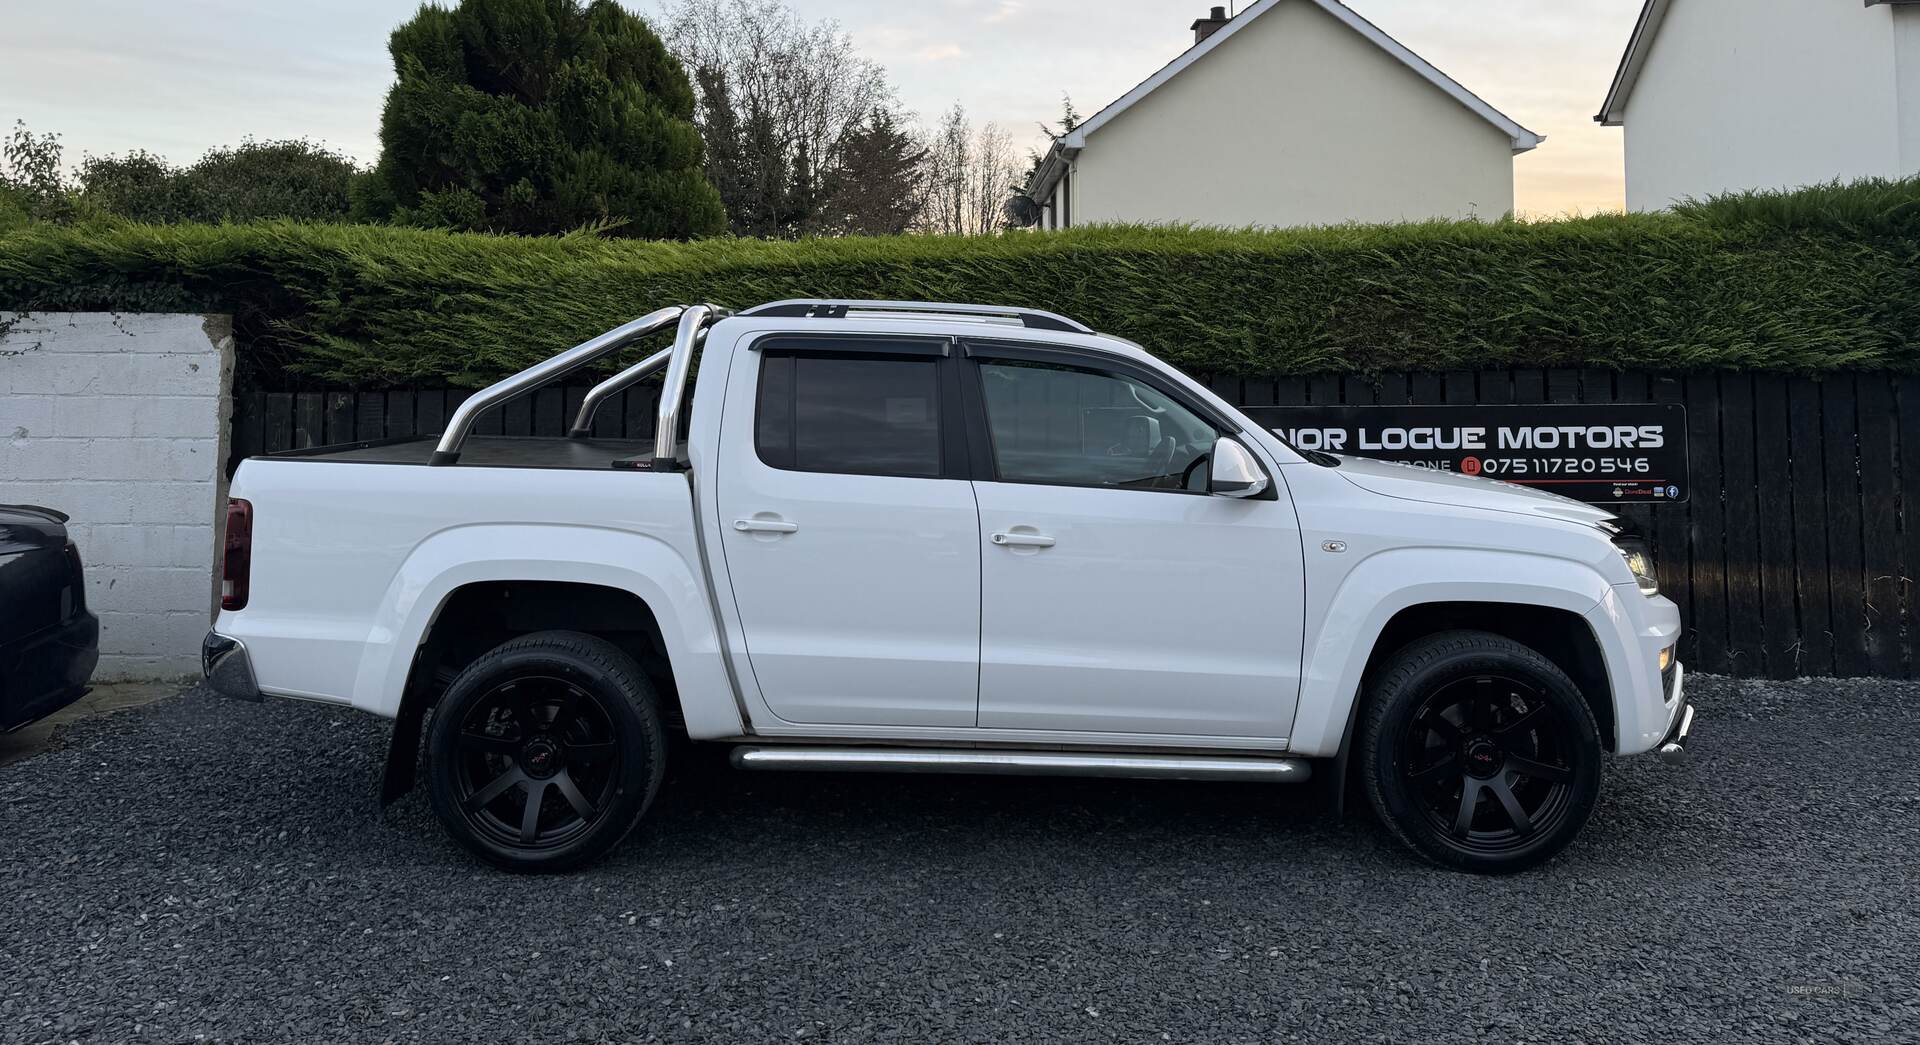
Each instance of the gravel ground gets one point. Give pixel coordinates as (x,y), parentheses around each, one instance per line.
(200,870)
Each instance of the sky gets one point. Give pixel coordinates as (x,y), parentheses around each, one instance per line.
(180,77)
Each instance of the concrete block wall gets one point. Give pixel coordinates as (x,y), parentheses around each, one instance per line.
(120,421)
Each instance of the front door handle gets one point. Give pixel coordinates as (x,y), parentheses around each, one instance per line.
(1022,540)
(764,526)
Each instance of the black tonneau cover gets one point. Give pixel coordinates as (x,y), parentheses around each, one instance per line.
(494,451)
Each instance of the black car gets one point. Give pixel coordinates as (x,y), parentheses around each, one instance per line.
(49,643)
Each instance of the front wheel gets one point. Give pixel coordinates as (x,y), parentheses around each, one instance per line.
(1479,753)
(545,752)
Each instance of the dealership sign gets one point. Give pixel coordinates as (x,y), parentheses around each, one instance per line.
(1607,453)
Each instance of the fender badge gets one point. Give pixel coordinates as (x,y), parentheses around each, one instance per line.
(1333,546)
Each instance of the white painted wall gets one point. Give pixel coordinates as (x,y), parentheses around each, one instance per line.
(1765,94)
(1294,120)
(120,421)
(1906,71)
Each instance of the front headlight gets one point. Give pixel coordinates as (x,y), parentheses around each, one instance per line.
(1640,562)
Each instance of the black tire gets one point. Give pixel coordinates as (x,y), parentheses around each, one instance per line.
(556,721)
(1479,753)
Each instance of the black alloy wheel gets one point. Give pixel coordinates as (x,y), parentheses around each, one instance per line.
(537,762)
(1480,753)
(545,752)
(1484,753)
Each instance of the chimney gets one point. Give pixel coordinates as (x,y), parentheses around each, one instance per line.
(1205,27)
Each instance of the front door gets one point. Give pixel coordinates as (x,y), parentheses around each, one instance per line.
(1117,595)
(850,531)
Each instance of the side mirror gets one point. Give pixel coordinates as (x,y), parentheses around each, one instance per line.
(1235,473)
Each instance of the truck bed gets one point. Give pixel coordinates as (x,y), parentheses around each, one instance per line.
(354,546)
(494,451)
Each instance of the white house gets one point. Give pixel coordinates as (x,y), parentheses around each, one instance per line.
(1293,112)
(1726,95)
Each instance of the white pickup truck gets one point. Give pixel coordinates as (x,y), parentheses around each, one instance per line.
(892,536)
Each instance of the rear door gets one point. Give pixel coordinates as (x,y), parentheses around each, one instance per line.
(1117,595)
(850,530)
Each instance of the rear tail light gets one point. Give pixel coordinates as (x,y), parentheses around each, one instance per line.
(77,584)
(236,565)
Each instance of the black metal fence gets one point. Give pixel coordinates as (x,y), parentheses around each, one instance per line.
(267,422)
(1793,556)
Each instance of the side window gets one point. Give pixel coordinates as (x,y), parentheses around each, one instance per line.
(860,415)
(1080,427)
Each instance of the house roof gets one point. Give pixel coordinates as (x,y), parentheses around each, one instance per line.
(1066,146)
(1613,112)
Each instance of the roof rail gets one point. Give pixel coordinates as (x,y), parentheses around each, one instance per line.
(838,308)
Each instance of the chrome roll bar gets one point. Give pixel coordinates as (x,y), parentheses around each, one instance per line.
(600,393)
(447,451)
(666,429)
(605,390)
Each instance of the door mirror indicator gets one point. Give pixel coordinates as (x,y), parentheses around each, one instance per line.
(1234,472)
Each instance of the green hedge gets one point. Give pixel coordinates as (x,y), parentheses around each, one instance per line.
(1818,280)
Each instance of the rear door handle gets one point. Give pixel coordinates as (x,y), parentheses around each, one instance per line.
(764,526)
(1022,540)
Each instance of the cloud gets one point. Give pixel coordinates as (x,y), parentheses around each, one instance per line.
(941,53)
(1005,11)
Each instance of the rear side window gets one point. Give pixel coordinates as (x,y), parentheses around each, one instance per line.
(858,415)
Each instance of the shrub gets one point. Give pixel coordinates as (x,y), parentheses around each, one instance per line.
(138,186)
(273,179)
(1712,287)
(253,181)
(540,116)
(31,188)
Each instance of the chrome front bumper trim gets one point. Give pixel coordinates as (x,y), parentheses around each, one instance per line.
(228,669)
(1673,750)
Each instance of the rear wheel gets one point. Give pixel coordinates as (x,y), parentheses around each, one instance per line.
(545,752)
(1479,753)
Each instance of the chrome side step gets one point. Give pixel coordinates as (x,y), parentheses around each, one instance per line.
(1021,763)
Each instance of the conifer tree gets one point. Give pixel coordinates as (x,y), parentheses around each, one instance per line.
(541,116)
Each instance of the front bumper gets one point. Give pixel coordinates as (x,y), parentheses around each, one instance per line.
(1673,747)
(227,667)
(1632,630)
